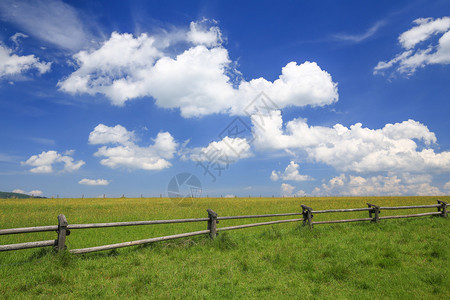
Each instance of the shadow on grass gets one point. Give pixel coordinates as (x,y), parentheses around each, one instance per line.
(37,256)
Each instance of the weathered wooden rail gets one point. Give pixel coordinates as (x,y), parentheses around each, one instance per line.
(63,229)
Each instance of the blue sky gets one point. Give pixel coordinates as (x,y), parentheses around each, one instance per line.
(291,98)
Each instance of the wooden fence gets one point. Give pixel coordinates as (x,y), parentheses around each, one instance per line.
(63,229)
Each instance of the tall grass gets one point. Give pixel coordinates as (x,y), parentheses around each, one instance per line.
(392,259)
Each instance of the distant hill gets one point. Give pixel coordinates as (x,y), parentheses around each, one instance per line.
(5,195)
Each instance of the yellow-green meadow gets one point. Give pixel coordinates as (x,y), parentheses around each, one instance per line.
(405,258)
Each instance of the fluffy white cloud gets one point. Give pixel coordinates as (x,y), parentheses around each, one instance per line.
(286,189)
(200,80)
(103,134)
(291,173)
(43,163)
(424,29)
(52,21)
(226,151)
(86,181)
(200,34)
(415,56)
(447,186)
(126,153)
(391,148)
(34,193)
(13,64)
(391,185)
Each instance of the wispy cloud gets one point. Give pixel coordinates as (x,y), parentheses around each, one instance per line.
(43,141)
(8,158)
(416,53)
(52,21)
(357,38)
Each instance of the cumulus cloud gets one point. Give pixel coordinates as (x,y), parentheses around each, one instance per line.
(86,181)
(124,152)
(19,191)
(52,21)
(391,148)
(416,53)
(447,186)
(43,163)
(200,34)
(291,173)
(118,134)
(12,64)
(226,151)
(126,67)
(391,185)
(34,193)
(287,189)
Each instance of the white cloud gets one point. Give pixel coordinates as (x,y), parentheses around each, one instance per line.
(391,185)
(226,151)
(274,176)
(15,39)
(426,27)
(127,67)
(286,189)
(361,37)
(200,34)
(12,64)
(298,85)
(447,186)
(291,173)
(126,153)
(416,54)
(117,69)
(43,141)
(391,148)
(86,181)
(52,21)
(7,158)
(43,163)
(301,193)
(34,193)
(103,134)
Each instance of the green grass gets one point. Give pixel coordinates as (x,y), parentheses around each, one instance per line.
(405,258)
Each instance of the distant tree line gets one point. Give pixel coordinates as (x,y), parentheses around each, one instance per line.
(6,195)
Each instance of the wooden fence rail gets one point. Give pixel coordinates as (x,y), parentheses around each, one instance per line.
(63,228)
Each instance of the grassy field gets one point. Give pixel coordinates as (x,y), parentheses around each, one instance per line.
(405,258)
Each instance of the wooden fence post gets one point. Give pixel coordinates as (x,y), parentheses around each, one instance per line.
(307,216)
(442,208)
(376,211)
(60,244)
(212,223)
